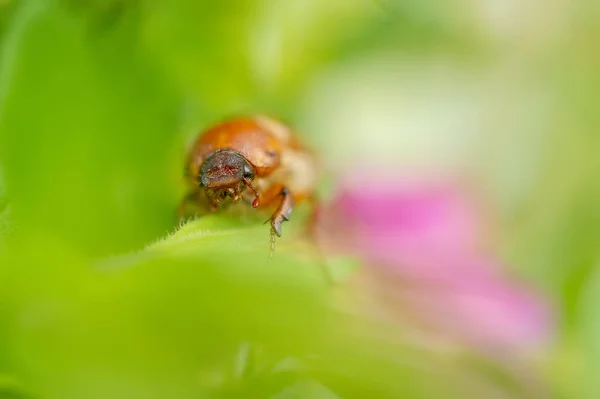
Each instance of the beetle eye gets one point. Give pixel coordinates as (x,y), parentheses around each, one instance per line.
(248,172)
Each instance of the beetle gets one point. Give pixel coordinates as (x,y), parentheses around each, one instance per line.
(255,159)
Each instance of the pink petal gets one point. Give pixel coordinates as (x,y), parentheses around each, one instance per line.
(422,243)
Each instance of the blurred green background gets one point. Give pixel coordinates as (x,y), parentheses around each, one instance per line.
(99,99)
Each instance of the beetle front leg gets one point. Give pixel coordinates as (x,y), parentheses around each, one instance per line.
(199,203)
(282,214)
(191,198)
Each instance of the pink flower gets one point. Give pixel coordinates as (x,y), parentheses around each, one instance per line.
(424,255)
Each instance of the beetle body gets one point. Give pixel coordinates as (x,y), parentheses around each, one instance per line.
(256,159)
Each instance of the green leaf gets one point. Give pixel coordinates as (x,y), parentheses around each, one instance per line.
(590,331)
(87,131)
(168,320)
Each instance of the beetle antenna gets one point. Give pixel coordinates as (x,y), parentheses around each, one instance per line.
(256,201)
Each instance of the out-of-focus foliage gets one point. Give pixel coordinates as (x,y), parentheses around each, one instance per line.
(98,100)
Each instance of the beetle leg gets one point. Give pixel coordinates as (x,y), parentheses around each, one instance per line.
(195,200)
(182,209)
(282,214)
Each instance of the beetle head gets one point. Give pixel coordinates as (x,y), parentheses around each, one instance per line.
(224,169)
(226,173)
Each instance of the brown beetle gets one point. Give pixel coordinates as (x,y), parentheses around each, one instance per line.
(256,159)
